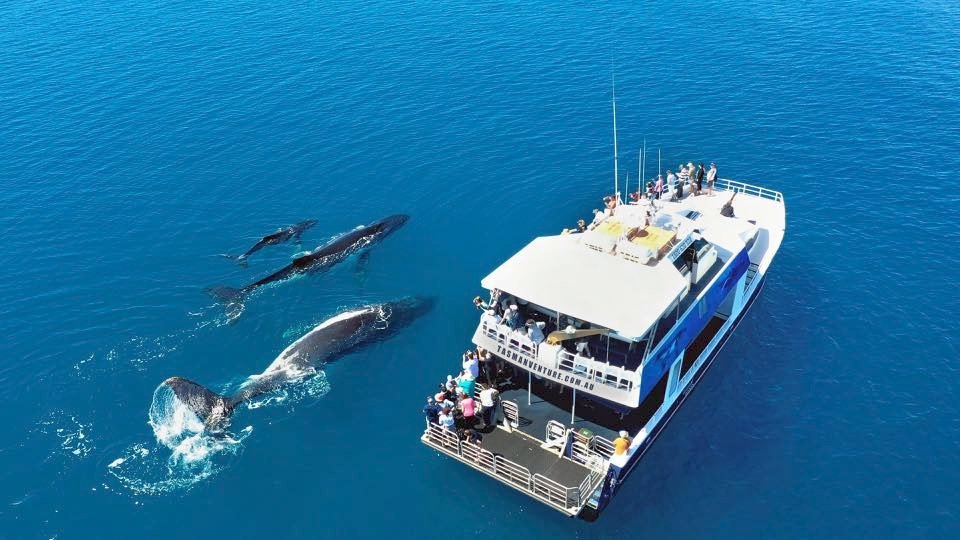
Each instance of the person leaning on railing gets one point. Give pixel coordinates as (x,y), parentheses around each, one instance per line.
(432,411)
(512,317)
(621,444)
(480,304)
(447,420)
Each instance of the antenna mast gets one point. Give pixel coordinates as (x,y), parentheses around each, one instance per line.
(640,174)
(643,164)
(616,177)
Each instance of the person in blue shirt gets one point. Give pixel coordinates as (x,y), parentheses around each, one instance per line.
(432,411)
(466,382)
(512,318)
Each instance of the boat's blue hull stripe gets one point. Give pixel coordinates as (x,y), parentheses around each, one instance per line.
(616,475)
(691,324)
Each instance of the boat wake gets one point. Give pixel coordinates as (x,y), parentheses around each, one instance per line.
(185,452)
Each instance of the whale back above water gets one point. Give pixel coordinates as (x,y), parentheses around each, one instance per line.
(293,232)
(333,337)
(319,259)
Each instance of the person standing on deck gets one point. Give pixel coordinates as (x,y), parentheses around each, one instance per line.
(489,399)
(682,175)
(658,188)
(512,317)
(621,444)
(466,383)
(447,420)
(470,364)
(700,172)
(489,366)
(468,408)
(432,411)
(711,178)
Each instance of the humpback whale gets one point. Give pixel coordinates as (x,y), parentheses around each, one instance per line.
(280,236)
(319,259)
(335,336)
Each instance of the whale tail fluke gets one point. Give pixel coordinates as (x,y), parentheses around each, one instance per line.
(209,406)
(231,298)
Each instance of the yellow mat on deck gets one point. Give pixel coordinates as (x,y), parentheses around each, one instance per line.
(611,227)
(656,238)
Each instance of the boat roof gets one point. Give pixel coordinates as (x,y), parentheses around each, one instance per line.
(559,273)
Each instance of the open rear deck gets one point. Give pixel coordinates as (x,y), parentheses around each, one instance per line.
(536,468)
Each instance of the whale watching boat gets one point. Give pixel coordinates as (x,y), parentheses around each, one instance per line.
(607,329)
(626,318)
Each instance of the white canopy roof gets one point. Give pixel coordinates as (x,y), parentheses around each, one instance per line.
(559,273)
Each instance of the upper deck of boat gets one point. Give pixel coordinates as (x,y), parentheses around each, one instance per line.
(637,244)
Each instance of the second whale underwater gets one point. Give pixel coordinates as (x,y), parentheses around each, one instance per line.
(293,232)
(319,259)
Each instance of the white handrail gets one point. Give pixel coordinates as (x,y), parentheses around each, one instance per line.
(749,189)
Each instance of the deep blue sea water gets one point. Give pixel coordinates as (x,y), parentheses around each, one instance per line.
(140,139)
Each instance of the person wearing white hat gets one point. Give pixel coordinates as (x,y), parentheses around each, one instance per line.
(711,178)
(512,317)
(621,444)
(432,411)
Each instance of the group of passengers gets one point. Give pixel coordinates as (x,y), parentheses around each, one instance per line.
(458,407)
(688,180)
(688,175)
(504,310)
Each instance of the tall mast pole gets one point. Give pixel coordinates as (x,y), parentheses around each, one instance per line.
(643,166)
(640,174)
(616,173)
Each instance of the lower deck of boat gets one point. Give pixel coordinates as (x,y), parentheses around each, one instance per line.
(540,400)
(527,452)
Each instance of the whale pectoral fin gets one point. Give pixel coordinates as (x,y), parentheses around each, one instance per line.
(361,268)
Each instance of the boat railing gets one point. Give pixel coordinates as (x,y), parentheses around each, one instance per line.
(585,452)
(570,500)
(556,493)
(601,372)
(726,184)
(483,459)
(511,340)
(602,446)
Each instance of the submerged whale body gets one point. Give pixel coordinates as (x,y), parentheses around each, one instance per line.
(335,336)
(319,259)
(293,232)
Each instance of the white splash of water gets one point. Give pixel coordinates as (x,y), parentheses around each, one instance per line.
(195,454)
(73,436)
(314,385)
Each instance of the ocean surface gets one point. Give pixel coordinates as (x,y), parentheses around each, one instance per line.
(138,140)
